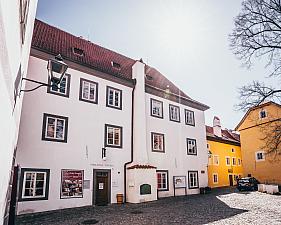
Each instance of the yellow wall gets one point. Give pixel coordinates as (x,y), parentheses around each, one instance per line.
(223,150)
(269,170)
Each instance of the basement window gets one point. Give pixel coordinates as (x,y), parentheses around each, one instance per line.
(116,65)
(78,51)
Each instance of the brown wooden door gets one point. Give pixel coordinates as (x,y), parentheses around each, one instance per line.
(230,180)
(102,192)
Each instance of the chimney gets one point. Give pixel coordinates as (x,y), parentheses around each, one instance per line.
(217,126)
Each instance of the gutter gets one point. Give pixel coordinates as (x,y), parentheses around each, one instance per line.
(132,143)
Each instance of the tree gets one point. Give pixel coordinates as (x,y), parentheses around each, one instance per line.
(257,34)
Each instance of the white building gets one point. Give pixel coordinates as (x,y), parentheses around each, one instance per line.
(115,126)
(16,28)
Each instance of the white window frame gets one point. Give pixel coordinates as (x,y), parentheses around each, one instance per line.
(115,92)
(58,91)
(214,163)
(189,117)
(228,164)
(55,128)
(45,190)
(191,147)
(192,185)
(158,136)
(217,175)
(92,84)
(263,156)
(234,160)
(155,104)
(165,173)
(174,112)
(45,136)
(238,161)
(115,129)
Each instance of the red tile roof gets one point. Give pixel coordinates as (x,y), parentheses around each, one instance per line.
(55,41)
(227,135)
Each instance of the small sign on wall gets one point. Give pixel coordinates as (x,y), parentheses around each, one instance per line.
(101,186)
(86,184)
(179,182)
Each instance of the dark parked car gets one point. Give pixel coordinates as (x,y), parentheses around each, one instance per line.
(247,184)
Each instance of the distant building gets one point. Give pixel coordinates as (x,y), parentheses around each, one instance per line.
(225,160)
(256,124)
(114,126)
(16,26)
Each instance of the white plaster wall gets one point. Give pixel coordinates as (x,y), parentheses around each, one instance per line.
(137,177)
(12,55)
(175,158)
(85,137)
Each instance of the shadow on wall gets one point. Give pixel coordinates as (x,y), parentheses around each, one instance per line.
(192,209)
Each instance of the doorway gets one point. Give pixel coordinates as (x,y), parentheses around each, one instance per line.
(230,180)
(102,184)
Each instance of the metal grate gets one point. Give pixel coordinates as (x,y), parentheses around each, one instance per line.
(90,221)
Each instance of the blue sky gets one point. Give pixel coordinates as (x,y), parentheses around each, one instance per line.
(186,40)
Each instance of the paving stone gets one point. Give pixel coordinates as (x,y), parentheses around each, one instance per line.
(223,206)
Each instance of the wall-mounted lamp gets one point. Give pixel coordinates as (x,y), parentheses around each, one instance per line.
(103,154)
(56,71)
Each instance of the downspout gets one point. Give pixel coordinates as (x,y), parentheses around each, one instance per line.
(132,142)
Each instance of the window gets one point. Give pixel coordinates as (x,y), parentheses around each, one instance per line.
(263,114)
(174,113)
(157,142)
(191,146)
(216,160)
(215,178)
(88,91)
(113,98)
(156,108)
(227,158)
(232,150)
(54,128)
(233,161)
(189,117)
(24,5)
(78,51)
(61,89)
(113,136)
(260,156)
(34,184)
(239,162)
(162,180)
(193,179)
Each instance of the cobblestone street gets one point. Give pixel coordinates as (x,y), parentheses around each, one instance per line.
(226,206)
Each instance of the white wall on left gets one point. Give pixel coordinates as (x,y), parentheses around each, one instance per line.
(13,61)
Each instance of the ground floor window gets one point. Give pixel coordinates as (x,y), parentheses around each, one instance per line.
(34,184)
(72,183)
(193,179)
(215,178)
(162,180)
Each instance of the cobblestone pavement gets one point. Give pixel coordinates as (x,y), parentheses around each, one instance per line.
(225,206)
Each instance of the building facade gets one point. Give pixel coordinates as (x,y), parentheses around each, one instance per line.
(113,126)
(225,159)
(16,26)
(257,137)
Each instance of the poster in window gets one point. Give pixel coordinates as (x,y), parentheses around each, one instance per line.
(179,181)
(72,183)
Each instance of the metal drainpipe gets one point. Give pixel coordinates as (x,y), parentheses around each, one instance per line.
(132,143)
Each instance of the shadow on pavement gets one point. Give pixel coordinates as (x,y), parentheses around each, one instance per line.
(191,209)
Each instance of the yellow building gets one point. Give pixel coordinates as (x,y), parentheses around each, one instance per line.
(225,161)
(259,122)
